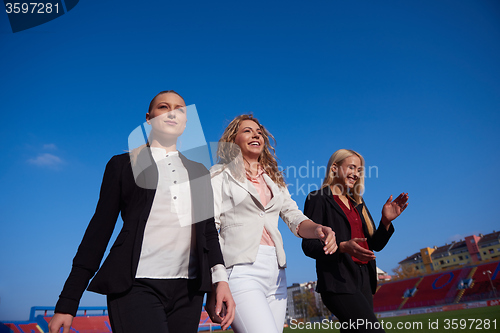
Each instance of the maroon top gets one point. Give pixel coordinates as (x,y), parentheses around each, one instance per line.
(354,219)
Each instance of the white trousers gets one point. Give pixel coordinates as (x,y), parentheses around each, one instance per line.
(259,291)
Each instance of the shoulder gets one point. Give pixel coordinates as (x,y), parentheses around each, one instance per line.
(318,194)
(119,160)
(217,171)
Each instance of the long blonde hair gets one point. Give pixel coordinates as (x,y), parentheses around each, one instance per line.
(229,153)
(356,194)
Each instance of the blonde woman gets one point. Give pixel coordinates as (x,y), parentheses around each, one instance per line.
(347,279)
(250,195)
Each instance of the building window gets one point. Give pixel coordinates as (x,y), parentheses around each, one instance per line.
(460,257)
(441,262)
(491,251)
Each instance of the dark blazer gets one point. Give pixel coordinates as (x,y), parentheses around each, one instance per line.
(337,271)
(120,193)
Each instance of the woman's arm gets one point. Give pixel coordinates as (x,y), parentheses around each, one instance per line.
(303,227)
(311,230)
(390,211)
(314,208)
(93,246)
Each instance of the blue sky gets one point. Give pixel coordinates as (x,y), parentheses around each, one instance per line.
(413,86)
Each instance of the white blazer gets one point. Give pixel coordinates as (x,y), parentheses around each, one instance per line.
(240,216)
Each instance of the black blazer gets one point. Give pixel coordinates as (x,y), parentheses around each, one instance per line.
(120,193)
(337,271)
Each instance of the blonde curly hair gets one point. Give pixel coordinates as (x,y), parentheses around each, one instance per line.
(229,153)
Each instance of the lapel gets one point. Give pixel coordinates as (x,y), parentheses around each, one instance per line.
(192,176)
(146,169)
(145,173)
(247,186)
(329,198)
(199,210)
(363,221)
(274,189)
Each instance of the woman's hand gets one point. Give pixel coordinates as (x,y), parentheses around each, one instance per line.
(327,236)
(312,230)
(59,320)
(220,305)
(357,251)
(393,209)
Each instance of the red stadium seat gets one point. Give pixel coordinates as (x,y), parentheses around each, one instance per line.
(390,295)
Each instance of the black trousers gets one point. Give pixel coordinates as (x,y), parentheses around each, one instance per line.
(354,311)
(156,306)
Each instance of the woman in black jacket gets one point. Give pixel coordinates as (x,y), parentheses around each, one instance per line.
(347,279)
(167,253)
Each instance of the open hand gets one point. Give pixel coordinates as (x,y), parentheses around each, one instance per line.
(393,209)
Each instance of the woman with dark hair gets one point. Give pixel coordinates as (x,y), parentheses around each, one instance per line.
(250,195)
(159,267)
(347,279)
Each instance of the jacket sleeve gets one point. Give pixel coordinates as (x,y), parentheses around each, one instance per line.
(290,212)
(381,236)
(95,240)
(217,180)
(314,207)
(211,234)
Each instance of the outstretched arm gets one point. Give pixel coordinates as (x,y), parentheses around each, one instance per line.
(309,229)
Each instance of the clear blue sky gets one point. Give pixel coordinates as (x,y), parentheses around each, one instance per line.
(414,86)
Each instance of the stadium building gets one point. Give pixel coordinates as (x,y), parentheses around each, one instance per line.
(472,250)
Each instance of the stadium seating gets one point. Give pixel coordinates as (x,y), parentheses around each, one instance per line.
(431,290)
(390,295)
(87,320)
(437,289)
(22,328)
(87,324)
(481,287)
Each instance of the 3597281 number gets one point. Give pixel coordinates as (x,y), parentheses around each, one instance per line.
(31,7)
(470,324)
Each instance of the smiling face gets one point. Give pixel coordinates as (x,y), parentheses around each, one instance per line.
(167,116)
(249,139)
(348,171)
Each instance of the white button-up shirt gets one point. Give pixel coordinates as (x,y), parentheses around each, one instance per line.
(167,250)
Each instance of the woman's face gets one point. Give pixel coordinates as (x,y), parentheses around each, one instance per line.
(250,140)
(348,172)
(168,115)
